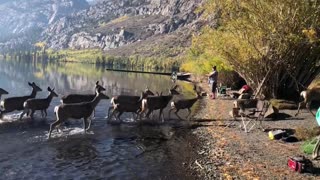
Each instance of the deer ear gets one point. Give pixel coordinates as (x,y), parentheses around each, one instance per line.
(49,89)
(33,83)
(29,84)
(97,83)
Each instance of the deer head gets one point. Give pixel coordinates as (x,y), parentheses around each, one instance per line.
(52,93)
(99,87)
(34,86)
(2,91)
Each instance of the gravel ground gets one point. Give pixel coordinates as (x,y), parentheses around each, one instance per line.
(230,153)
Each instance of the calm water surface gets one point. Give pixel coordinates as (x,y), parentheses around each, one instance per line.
(125,151)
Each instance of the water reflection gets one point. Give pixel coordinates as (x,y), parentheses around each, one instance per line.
(75,77)
(109,152)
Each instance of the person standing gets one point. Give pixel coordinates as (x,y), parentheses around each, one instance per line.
(213,77)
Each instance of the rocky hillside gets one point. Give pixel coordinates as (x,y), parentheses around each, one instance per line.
(120,27)
(22,22)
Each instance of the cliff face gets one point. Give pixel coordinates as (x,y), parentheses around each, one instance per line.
(127,27)
(121,27)
(21,22)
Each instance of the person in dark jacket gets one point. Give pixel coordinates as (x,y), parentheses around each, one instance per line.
(213,79)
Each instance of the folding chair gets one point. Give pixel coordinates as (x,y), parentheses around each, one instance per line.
(251,117)
(222,91)
(239,107)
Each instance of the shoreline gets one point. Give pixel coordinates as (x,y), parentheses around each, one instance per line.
(230,153)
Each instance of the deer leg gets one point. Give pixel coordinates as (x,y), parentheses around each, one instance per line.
(160,113)
(28,113)
(170,112)
(133,113)
(23,113)
(109,111)
(189,110)
(110,116)
(53,125)
(135,118)
(85,120)
(299,107)
(89,123)
(162,116)
(176,112)
(45,112)
(42,113)
(119,114)
(148,113)
(94,114)
(308,106)
(31,115)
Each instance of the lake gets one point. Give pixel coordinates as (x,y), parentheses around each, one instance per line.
(123,151)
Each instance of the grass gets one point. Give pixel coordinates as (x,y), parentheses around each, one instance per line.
(117,20)
(308,146)
(87,55)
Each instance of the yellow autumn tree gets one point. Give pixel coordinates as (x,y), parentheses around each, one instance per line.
(271,44)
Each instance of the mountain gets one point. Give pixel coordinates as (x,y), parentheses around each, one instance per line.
(119,27)
(129,27)
(22,22)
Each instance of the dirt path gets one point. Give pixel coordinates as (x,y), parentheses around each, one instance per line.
(230,153)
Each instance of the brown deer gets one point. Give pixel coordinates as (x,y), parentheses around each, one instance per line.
(38,104)
(3,92)
(16,103)
(184,104)
(157,102)
(308,96)
(78,98)
(76,111)
(123,101)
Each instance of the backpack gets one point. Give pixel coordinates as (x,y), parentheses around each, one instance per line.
(300,164)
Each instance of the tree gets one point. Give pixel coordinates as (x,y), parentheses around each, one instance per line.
(265,41)
(41,46)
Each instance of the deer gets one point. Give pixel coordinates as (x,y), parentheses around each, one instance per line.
(184,104)
(16,103)
(38,104)
(129,106)
(3,92)
(158,102)
(123,101)
(76,111)
(308,96)
(77,98)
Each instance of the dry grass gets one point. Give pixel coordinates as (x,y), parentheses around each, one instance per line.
(307,133)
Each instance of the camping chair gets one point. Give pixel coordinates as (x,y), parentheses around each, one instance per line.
(222,91)
(251,117)
(239,107)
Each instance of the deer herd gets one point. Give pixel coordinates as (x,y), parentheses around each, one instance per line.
(82,106)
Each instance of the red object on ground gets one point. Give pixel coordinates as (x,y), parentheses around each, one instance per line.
(300,164)
(246,88)
(295,165)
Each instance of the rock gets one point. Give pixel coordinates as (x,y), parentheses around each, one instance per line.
(31,18)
